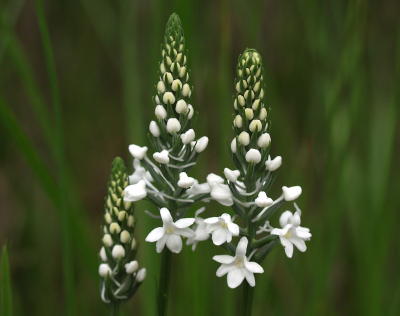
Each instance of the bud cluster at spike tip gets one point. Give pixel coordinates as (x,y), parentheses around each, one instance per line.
(118,268)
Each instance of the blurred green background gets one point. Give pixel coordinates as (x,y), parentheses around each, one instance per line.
(76,80)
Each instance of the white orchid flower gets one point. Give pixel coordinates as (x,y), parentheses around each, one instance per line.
(273,164)
(201,233)
(238,267)
(137,151)
(171,232)
(292,233)
(135,192)
(222,228)
(231,175)
(185,181)
(139,173)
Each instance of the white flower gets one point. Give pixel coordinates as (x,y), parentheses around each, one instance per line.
(231,175)
(135,192)
(137,151)
(233,145)
(171,232)
(118,252)
(201,144)
(222,228)
(181,107)
(238,267)
(244,138)
(201,233)
(253,156)
(104,270)
(292,233)
(173,125)
(273,164)
(263,200)
(291,193)
(264,140)
(188,136)
(185,181)
(168,98)
(199,188)
(131,267)
(161,157)
(160,112)
(255,126)
(213,179)
(222,194)
(154,129)
(139,173)
(141,275)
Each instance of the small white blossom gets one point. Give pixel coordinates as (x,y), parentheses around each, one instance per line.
(233,146)
(160,112)
(161,87)
(244,138)
(238,121)
(154,129)
(253,156)
(185,181)
(103,254)
(181,107)
(173,126)
(190,111)
(231,175)
(118,252)
(161,157)
(139,173)
(263,200)
(213,179)
(201,144)
(273,164)
(168,98)
(186,90)
(131,267)
(198,188)
(170,233)
(104,270)
(222,228)
(137,151)
(141,275)
(264,140)
(238,267)
(188,136)
(222,194)
(291,193)
(292,233)
(263,114)
(255,126)
(107,240)
(201,233)
(135,192)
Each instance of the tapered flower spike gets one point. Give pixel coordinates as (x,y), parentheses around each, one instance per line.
(118,270)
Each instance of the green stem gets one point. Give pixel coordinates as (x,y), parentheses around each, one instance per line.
(114,309)
(248,292)
(164,283)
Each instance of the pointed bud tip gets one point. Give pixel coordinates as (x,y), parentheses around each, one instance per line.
(118,164)
(174,25)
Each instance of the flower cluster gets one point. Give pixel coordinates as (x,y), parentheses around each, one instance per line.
(246,188)
(162,177)
(119,271)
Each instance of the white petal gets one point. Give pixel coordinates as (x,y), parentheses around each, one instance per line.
(303,233)
(184,222)
(284,218)
(224,269)
(161,244)
(166,215)
(250,278)
(225,259)
(226,217)
(295,219)
(185,232)
(299,243)
(277,231)
(211,220)
(234,229)
(155,234)
(242,247)
(235,278)
(254,267)
(288,247)
(291,193)
(219,237)
(174,243)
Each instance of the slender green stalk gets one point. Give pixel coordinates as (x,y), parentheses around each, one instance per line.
(248,293)
(164,282)
(115,309)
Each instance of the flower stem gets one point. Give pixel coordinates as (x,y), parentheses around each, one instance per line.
(164,282)
(248,292)
(114,309)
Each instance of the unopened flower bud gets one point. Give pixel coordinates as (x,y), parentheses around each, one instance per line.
(253,156)
(115,228)
(291,193)
(231,175)
(182,72)
(241,100)
(249,113)
(176,85)
(255,126)
(103,254)
(125,236)
(181,106)
(161,157)
(107,218)
(273,164)
(263,114)
(185,181)
(186,90)
(256,104)
(168,98)
(190,111)
(154,129)
(160,112)
(161,87)
(118,252)
(201,144)
(263,200)
(131,267)
(173,126)
(137,151)
(188,136)
(233,145)
(168,77)
(107,240)
(244,138)
(104,270)
(264,140)
(141,275)
(238,121)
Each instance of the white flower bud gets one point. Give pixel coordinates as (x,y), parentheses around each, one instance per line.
(161,87)
(188,137)
(107,240)
(176,85)
(131,221)
(273,164)
(233,145)
(133,243)
(104,270)
(161,157)
(141,275)
(235,104)
(190,111)
(154,130)
(253,156)
(125,236)
(249,113)
(264,140)
(214,179)
(262,93)
(185,181)
(231,175)
(182,72)
(263,114)
(173,126)
(257,86)
(181,106)
(168,98)
(241,100)
(255,126)
(131,267)
(162,68)
(115,228)
(263,200)
(107,218)
(103,254)
(168,77)
(137,151)
(157,99)
(179,57)
(201,144)
(160,112)
(186,90)
(168,60)
(291,193)
(135,192)
(118,252)
(238,121)
(256,104)
(121,216)
(244,138)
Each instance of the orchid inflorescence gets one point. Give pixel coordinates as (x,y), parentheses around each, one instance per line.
(119,270)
